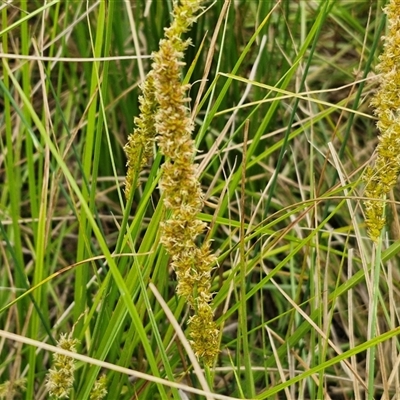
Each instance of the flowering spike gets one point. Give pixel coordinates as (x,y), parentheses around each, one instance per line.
(139,147)
(381,178)
(180,186)
(165,117)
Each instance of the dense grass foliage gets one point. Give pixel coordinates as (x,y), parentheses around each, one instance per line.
(306,304)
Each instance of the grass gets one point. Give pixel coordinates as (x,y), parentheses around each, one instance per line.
(306,303)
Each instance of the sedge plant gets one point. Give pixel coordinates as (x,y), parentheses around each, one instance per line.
(231,257)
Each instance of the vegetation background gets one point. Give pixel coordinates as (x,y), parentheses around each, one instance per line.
(280,95)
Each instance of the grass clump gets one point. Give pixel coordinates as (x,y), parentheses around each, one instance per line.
(237,264)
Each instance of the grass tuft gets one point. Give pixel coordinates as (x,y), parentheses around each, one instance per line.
(281,133)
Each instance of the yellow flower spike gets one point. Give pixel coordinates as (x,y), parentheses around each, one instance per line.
(180,185)
(382,177)
(165,118)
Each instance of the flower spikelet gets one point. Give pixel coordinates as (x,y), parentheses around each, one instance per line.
(381,178)
(179,183)
(60,379)
(99,390)
(11,389)
(139,147)
(205,335)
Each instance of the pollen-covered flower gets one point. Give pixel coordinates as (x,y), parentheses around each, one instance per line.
(381,178)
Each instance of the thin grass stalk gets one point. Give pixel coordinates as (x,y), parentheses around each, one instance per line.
(246,359)
(373,320)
